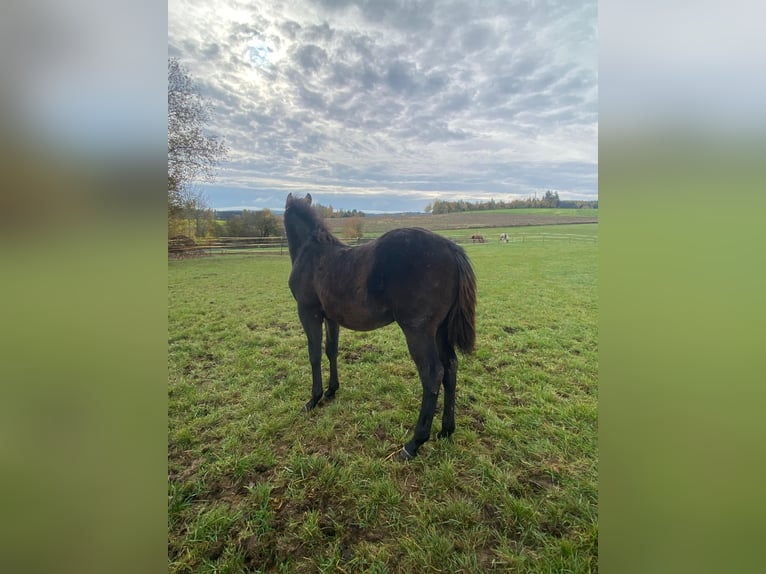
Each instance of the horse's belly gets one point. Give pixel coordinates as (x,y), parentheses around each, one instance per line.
(356,325)
(360,319)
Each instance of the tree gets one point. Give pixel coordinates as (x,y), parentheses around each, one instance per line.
(205,223)
(353,228)
(235,226)
(266,224)
(324,211)
(192,153)
(261,223)
(551,199)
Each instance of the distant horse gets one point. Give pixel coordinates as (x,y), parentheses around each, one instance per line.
(419,279)
(504,238)
(476,238)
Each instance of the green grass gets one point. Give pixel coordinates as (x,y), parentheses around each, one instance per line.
(486,220)
(256,485)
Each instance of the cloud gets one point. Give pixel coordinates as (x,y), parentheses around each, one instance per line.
(397,96)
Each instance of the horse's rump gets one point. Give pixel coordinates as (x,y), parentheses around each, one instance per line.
(426,278)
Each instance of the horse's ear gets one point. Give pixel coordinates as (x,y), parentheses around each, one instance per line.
(307,199)
(289,199)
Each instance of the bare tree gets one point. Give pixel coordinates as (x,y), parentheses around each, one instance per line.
(192,153)
(353,228)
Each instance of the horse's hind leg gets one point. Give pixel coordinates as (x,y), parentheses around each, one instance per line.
(424,352)
(449,362)
(311,320)
(331,349)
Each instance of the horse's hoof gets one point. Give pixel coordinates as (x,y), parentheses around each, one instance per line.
(441,434)
(404,456)
(328,396)
(308,406)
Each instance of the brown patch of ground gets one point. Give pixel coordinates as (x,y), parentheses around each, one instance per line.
(477,420)
(230,489)
(492,368)
(283,327)
(539,481)
(354,355)
(199,366)
(181,471)
(181,246)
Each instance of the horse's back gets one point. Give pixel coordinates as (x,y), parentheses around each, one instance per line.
(403,253)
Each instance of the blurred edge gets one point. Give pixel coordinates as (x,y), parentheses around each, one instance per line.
(83,254)
(83,405)
(682,282)
(681,330)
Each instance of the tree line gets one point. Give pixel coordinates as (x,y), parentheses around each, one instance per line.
(204,222)
(549,199)
(328,211)
(325,212)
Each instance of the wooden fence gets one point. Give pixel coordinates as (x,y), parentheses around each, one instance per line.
(278,245)
(543,237)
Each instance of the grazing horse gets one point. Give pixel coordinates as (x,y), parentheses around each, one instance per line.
(419,279)
(504,238)
(476,238)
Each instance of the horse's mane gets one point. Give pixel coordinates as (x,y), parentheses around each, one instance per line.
(312,220)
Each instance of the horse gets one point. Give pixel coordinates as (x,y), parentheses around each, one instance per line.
(411,276)
(503,238)
(476,238)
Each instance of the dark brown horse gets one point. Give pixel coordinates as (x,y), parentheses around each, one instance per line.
(419,279)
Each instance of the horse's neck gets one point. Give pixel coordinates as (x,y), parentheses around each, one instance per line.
(317,240)
(296,241)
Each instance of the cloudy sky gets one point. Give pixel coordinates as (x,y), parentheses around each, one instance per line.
(386,105)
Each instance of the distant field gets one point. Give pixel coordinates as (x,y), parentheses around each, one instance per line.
(589,212)
(521,234)
(376,224)
(254,485)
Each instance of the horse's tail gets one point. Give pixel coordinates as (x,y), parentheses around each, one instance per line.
(461,322)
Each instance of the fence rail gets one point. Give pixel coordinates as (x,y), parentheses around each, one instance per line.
(223,245)
(543,237)
(524,238)
(278,245)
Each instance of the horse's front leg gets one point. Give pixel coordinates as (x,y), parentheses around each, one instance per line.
(331,348)
(311,319)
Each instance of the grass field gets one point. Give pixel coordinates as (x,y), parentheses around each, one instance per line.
(585,212)
(256,485)
(499,218)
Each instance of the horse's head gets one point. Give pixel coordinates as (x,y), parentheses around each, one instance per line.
(303,223)
(291,200)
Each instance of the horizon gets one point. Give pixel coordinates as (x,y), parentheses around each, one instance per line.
(316,200)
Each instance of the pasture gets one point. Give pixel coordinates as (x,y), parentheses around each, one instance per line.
(256,485)
(498,218)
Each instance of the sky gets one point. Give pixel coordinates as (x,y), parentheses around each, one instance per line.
(384,106)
